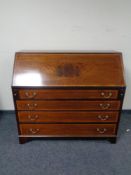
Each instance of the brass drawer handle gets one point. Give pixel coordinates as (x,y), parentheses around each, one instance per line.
(106,117)
(31,105)
(103,94)
(32,118)
(34,131)
(101,130)
(105,106)
(29,95)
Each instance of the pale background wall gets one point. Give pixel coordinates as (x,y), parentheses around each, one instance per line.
(62,25)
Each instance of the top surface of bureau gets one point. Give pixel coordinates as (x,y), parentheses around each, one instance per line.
(41,69)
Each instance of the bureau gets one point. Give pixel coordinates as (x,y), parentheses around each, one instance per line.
(76,95)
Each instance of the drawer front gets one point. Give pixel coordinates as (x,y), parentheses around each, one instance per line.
(67,105)
(68,94)
(67,117)
(68,130)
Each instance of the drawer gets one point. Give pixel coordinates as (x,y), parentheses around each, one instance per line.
(67,94)
(69,130)
(67,117)
(67,105)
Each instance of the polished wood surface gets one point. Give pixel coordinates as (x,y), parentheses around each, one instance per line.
(67,105)
(67,116)
(68,130)
(67,94)
(68,70)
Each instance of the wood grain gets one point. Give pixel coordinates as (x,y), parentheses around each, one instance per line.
(67,105)
(68,130)
(67,117)
(67,94)
(65,70)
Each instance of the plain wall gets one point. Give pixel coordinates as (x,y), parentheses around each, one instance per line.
(62,25)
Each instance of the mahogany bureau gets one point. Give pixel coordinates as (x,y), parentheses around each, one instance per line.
(76,95)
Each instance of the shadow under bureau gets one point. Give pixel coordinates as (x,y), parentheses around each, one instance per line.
(68,94)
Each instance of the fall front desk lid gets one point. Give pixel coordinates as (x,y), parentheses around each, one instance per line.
(68,69)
